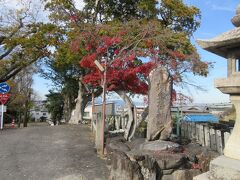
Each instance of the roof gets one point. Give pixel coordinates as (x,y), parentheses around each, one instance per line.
(222,44)
(200,118)
(198,109)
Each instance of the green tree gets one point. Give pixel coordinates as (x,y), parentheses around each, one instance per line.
(162,33)
(64,64)
(23,40)
(54,106)
(21,99)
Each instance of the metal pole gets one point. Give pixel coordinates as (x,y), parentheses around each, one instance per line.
(2,118)
(104,104)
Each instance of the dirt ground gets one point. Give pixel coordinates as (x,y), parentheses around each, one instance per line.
(63,152)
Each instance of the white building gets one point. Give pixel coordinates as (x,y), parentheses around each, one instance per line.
(39,111)
(110,110)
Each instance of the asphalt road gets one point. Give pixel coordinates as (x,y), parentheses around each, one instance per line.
(44,153)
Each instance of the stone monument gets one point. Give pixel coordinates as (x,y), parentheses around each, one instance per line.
(227,45)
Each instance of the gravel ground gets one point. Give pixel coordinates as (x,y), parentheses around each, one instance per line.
(63,152)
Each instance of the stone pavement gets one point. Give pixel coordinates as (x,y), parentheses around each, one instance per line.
(63,152)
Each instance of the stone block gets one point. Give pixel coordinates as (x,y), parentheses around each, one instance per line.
(170,161)
(203,176)
(167,172)
(224,168)
(122,168)
(158,145)
(167,177)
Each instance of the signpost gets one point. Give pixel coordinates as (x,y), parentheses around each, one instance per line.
(4,96)
(4,88)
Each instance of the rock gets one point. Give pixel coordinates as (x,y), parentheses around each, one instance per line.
(167,172)
(149,173)
(170,161)
(136,143)
(122,168)
(135,155)
(204,159)
(115,144)
(159,124)
(192,150)
(168,177)
(159,145)
(149,166)
(185,174)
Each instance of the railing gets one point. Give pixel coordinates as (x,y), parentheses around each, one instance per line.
(206,135)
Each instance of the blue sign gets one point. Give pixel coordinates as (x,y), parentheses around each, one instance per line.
(4,87)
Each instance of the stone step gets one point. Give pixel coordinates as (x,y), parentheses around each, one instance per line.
(224,167)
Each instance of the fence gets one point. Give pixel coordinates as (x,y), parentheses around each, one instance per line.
(112,122)
(206,135)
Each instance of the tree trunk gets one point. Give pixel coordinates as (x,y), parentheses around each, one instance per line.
(159,119)
(77,113)
(19,119)
(25,118)
(67,108)
(131,124)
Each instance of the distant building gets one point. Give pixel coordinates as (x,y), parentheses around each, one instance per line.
(193,109)
(110,110)
(219,108)
(39,111)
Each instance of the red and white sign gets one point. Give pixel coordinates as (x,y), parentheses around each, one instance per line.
(4,98)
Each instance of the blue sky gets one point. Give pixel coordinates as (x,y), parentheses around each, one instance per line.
(216,16)
(216,19)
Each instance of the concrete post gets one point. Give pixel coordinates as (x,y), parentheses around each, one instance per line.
(207,136)
(99,136)
(233,144)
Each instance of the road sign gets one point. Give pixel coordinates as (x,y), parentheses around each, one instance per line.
(4,98)
(100,67)
(4,87)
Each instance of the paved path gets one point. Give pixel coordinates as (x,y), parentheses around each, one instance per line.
(45,153)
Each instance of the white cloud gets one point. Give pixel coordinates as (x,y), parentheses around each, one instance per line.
(223,8)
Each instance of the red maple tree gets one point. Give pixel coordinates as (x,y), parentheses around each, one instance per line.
(125,71)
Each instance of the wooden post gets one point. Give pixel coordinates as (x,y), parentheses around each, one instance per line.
(104,85)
